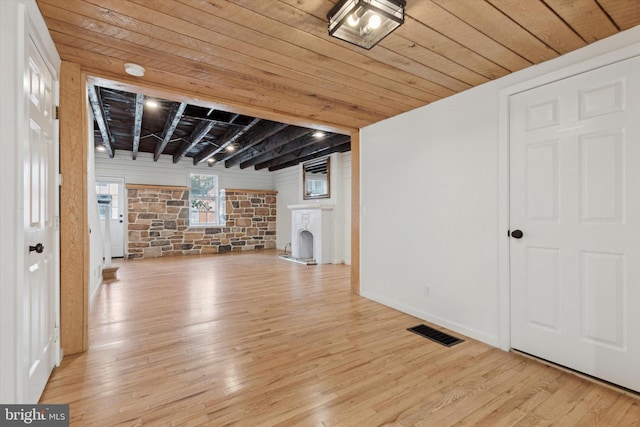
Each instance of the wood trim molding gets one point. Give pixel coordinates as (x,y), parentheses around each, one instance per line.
(74,227)
(162,187)
(236,190)
(355,212)
(182,188)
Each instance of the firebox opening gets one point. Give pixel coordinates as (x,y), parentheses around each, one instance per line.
(305,241)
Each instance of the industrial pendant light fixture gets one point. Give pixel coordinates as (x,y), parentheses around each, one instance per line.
(365,22)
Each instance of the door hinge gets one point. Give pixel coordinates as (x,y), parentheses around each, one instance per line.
(57,113)
(57,223)
(56,333)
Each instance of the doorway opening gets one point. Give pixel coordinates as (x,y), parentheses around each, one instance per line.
(114,187)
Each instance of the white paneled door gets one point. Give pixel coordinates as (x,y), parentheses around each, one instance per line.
(38,314)
(575,222)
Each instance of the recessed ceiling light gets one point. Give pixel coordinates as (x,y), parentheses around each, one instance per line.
(151,103)
(134,69)
(318,134)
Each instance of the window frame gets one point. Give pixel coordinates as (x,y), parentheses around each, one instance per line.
(194,214)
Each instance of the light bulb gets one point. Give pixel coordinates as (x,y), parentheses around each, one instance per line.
(352,20)
(151,103)
(374,22)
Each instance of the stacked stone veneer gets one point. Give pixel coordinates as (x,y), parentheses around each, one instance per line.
(158,223)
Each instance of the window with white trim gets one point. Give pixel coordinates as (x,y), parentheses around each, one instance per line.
(204,200)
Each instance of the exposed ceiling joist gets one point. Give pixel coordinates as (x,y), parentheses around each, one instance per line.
(306,153)
(198,133)
(340,148)
(137,125)
(282,135)
(230,136)
(279,148)
(256,135)
(183,130)
(169,127)
(98,115)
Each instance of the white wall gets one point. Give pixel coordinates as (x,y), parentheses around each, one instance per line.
(344,224)
(96,240)
(287,183)
(429,216)
(164,172)
(433,214)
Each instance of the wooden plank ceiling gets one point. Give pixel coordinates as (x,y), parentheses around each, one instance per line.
(256,65)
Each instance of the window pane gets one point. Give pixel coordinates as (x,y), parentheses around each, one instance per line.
(203,199)
(203,185)
(102,188)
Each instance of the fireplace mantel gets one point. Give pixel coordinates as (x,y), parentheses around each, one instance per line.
(324,206)
(316,220)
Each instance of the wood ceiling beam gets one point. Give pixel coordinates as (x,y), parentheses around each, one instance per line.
(255,136)
(137,125)
(200,131)
(230,136)
(283,135)
(274,151)
(98,113)
(312,150)
(340,148)
(173,119)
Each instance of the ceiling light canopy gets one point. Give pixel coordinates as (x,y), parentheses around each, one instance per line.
(365,22)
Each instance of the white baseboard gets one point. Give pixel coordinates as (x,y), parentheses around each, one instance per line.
(453,326)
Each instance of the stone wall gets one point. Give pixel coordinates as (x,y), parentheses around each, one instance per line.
(158,222)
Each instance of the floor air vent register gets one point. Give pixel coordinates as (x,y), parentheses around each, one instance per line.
(435,335)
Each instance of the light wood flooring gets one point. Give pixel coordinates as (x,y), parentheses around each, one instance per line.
(252,340)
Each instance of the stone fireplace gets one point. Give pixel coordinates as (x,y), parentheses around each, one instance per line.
(312,233)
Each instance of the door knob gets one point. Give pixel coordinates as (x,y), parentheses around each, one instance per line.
(38,248)
(517,234)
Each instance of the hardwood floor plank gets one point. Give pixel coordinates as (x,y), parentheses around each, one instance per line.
(593,407)
(248,339)
(617,411)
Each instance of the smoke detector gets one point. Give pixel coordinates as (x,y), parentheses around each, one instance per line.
(134,69)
